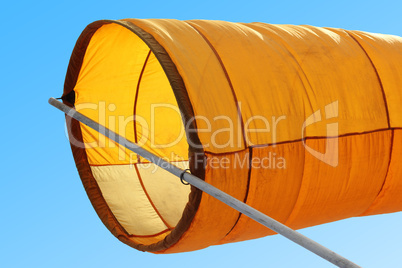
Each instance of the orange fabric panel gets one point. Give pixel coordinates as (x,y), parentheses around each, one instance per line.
(205,83)
(215,219)
(390,198)
(293,71)
(310,192)
(274,187)
(148,240)
(260,70)
(385,52)
(332,193)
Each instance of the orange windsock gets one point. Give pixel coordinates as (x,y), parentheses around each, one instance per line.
(300,122)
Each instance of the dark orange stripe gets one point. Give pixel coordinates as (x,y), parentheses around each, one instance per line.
(105,165)
(227,78)
(125,164)
(247,187)
(386,174)
(311,138)
(149,198)
(377,74)
(136,101)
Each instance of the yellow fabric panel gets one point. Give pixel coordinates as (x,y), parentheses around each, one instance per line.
(105,90)
(148,240)
(205,82)
(274,188)
(160,128)
(332,193)
(214,219)
(127,200)
(385,52)
(167,193)
(390,198)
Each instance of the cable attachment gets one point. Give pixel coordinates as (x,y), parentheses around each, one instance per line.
(182,175)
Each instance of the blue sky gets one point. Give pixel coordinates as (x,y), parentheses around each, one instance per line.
(46,219)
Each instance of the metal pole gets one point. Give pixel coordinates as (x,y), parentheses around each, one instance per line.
(254,214)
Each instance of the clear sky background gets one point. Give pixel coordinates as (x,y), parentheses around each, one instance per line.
(46,218)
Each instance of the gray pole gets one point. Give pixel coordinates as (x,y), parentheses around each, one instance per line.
(254,214)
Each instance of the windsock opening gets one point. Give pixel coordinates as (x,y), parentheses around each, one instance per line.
(122,85)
